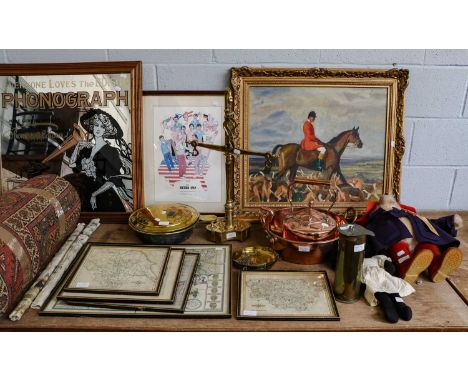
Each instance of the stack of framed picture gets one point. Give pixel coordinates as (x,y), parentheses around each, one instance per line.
(144,280)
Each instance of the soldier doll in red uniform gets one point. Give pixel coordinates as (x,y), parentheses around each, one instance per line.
(413,242)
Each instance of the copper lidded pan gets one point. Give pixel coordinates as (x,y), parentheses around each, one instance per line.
(304,235)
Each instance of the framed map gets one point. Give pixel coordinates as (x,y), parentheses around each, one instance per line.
(209,295)
(166,293)
(108,268)
(190,262)
(287,295)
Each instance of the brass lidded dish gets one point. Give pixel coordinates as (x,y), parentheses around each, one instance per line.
(164,223)
(257,258)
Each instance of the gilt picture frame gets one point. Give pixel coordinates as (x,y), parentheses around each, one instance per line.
(81,121)
(173,171)
(353,116)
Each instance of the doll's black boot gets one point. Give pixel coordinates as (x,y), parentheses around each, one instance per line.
(404,311)
(388,307)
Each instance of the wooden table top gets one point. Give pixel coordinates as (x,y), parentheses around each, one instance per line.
(436,307)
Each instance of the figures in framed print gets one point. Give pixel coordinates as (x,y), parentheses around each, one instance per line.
(79,121)
(172,172)
(176,131)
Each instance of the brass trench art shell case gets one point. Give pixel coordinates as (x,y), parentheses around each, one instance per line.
(164,223)
(351,247)
(257,258)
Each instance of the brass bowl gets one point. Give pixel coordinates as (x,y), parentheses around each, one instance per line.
(164,223)
(256,258)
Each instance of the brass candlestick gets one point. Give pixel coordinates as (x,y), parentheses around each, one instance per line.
(229,227)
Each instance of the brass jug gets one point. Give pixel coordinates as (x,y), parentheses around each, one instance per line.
(351,247)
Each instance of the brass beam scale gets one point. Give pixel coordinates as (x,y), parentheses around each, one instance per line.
(229,227)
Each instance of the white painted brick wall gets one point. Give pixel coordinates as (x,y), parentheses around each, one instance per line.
(437,93)
(459,197)
(55,55)
(246,56)
(447,57)
(163,56)
(149,77)
(439,142)
(372,56)
(408,129)
(427,188)
(193,77)
(435,172)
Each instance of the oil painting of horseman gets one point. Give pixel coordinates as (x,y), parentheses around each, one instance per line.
(337,133)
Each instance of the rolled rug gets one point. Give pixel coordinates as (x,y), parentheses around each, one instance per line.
(35,220)
(34,290)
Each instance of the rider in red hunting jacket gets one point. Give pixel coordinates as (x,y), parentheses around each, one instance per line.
(310,141)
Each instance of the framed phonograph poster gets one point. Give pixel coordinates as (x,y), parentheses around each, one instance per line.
(80,121)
